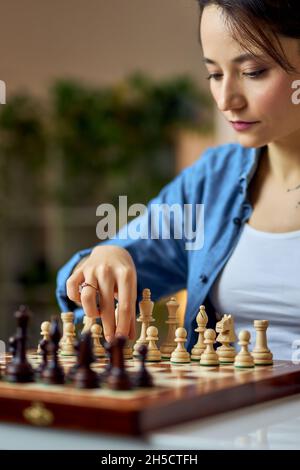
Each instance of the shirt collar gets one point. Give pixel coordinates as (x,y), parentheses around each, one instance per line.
(251,165)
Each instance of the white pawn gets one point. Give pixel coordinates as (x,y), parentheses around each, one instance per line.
(244,359)
(45,333)
(180,354)
(153,354)
(67,348)
(88,322)
(98,349)
(209,357)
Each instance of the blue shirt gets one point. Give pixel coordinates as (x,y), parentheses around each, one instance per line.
(219,180)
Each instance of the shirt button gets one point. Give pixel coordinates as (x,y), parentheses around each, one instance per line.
(237,221)
(241,189)
(203,278)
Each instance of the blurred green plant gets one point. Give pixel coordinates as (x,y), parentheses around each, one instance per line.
(83,145)
(120,140)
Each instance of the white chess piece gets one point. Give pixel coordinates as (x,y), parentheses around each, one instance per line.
(87,323)
(169,345)
(261,353)
(146,308)
(180,354)
(67,348)
(96,332)
(226,336)
(199,347)
(209,357)
(153,354)
(243,359)
(66,317)
(45,333)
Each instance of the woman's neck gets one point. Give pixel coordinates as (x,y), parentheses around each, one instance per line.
(282,161)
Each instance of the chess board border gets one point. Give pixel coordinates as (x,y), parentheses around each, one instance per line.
(143,411)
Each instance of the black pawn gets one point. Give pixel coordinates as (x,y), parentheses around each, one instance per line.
(118,378)
(19,370)
(53,373)
(108,365)
(44,344)
(84,376)
(143,377)
(74,368)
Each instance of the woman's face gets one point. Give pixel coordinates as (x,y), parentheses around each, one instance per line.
(255,90)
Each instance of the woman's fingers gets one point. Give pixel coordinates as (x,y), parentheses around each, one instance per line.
(73,284)
(127,293)
(107,305)
(89,295)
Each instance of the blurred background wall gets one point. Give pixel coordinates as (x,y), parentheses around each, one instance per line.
(95,91)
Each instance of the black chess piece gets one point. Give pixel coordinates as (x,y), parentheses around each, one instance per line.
(108,365)
(53,373)
(143,378)
(19,370)
(118,378)
(84,376)
(44,344)
(73,369)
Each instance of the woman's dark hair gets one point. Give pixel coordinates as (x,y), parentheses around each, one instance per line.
(259,23)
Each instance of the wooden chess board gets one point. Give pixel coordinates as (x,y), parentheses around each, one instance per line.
(181,393)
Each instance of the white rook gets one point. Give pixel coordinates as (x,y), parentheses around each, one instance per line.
(261,353)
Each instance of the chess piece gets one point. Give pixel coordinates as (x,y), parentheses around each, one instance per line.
(261,353)
(53,374)
(19,369)
(209,358)
(98,349)
(199,347)
(87,323)
(169,345)
(67,346)
(108,366)
(12,345)
(43,348)
(85,377)
(72,370)
(244,360)
(143,378)
(180,354)
(45,333)
(118,378)
(146,308)
(128,351)
(225,328)
(153,354)
(67,318)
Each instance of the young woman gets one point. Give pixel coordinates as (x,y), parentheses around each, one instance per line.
(249,263)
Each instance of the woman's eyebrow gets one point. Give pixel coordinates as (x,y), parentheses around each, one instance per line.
(237,60)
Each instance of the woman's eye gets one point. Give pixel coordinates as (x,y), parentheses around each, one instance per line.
(215,76)
(254,74)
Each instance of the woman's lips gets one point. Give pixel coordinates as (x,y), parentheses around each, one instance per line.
(241,125)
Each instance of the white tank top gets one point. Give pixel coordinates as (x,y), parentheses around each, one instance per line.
(261,280)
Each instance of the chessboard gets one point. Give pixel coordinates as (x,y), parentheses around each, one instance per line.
(180,393)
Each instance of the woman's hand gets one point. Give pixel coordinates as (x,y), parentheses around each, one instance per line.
(111,270)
